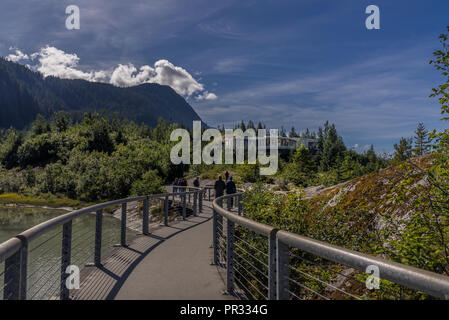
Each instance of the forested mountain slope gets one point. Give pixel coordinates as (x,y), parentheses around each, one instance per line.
(24,94)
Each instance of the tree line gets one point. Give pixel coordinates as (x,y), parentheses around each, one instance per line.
(97,158)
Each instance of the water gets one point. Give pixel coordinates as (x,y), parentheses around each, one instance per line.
(14,220)
(44,253)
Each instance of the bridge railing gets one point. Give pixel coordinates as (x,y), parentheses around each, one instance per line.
(262,262)
(37,262)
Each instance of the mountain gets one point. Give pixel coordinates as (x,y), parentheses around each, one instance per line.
(24,94)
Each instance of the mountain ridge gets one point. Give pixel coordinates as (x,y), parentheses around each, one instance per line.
(25,93)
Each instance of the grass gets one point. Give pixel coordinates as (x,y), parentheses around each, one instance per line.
(51,201)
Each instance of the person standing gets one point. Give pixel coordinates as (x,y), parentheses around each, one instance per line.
(175,184)
(231,189)
(227,175)
(219,187)
(184,184)
(196,182)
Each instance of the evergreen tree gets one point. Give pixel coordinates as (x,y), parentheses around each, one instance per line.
(301,170)
(333,148)
(292,133)
(306,134)
(282,133)
(243,126)
(8,148)
(422,141)
(40,125)
(403,149)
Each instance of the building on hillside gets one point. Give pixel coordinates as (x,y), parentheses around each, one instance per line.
(284,143)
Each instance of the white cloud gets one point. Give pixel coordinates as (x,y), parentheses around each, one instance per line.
(17,56)
(207,96)
(127,75)
(55,62)
(163,72)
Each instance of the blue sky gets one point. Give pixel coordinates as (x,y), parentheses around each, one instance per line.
(287,63)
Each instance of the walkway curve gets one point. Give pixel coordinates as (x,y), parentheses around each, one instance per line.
(179,268)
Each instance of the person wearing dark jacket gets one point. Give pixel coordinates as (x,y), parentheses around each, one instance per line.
(175,184)
(219,187)
(196,182)
(230,189)
(184,184)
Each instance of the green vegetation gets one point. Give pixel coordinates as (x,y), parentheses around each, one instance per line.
(331,163)
(42,200)
(98,158)
(400,212)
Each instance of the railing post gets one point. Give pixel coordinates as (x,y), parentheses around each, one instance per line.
(200,201)
(166,211)
(98,234)
(282,270)
(229,203)
(240,204)
(230,257)
(145,216)
(219,231)
(195,203)
(215,237)
(12,277)
(272,265)
(189,194)
(65,259)
(184,206)
(15,277)
(123,226)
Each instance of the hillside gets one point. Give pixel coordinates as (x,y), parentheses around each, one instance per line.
(373,194)
(24,94)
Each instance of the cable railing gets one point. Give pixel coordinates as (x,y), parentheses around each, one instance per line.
(262,262)
(36,263)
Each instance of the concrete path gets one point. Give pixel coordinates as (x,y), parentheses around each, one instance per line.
(178,267)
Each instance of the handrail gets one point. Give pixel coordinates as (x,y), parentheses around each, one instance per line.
(14,251)
(255,226)
(431,283)
(9,248)
(36,231)
(428,282)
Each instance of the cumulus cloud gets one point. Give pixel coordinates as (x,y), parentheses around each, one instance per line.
(16,56)
(57,63)
(128,76)
(162,72)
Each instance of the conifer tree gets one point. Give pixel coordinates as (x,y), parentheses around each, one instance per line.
(403,149)
(422,141)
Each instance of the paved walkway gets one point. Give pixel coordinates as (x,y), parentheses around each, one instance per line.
(171,263)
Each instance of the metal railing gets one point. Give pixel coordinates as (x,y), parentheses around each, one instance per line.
(36,261)
(262,262)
